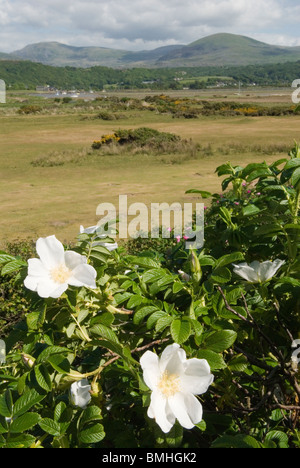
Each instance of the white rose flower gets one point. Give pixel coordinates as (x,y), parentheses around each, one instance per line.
(2,352)
(258,272)
(93,230)
(55,270)
(174,382)
(80,393)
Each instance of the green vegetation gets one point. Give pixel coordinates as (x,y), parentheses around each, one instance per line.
(145,300)
(28,75)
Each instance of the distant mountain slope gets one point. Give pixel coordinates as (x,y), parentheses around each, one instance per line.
(149,57)
(228,49)
(4,56)
(56,54)
(216,50)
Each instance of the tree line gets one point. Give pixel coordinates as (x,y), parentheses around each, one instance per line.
(28,75)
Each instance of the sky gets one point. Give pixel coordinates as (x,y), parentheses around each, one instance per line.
(144,24)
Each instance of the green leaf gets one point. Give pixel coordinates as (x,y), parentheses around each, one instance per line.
(91,413)
(155,274)
(293,163)
(280,438)
(50,426)
(220,340)
(4,258)
(230,258)
(295,179)
(6,404)
(221,275)
(24,422)
(3,425)
(163,323)
(238,363)
(155,317)
(252,167)
(177,286)
(10,267)
(134,301)
(43,377)
(105,332)
(203,193)
(292,226)
(59,363)
(144,262)
(92,434)
(59,409)
(214,359)
(63,415)
(267,229)
(251,210)
(50,351)
(122,297)
(180,330)
(142,313)
(20,441)
(236,441)
(26,401)
(35,319)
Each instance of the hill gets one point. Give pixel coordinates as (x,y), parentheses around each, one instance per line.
(228,49)
(215,50)
(61,55)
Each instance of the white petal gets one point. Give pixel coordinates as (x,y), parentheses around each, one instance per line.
(151,372)
(50,251)
(36,273)
(247,272)
(2,352)
(194,408)
(37,268)
(181,410)
(83,275)
(159,409)
(108,245)
(197,377)
(31,282)
(89,230)
(171,359)
(80,393)
(268,269)
(48,288)
(73,259)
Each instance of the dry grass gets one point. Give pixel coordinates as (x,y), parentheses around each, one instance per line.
(62,190)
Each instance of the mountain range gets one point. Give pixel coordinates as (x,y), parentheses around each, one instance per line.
(216,50)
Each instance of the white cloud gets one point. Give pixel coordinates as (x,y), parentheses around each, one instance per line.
(140,24)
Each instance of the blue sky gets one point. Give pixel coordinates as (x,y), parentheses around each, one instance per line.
(144,24)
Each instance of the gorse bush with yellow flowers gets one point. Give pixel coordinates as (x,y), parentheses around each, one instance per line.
(161,346)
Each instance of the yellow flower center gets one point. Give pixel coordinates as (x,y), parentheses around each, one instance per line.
(169,384)
(60,274)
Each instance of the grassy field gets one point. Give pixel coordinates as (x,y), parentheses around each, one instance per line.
(52,181)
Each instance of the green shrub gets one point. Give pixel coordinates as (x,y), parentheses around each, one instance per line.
(240,320)
(29,109)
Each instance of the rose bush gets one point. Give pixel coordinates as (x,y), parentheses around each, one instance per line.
(164,347)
